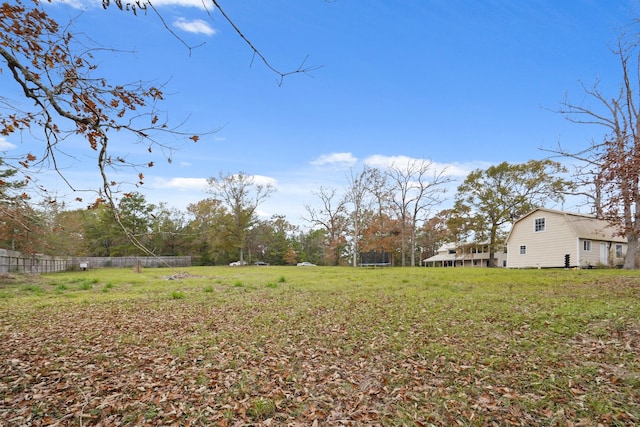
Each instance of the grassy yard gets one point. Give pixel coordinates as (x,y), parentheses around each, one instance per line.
(321,346)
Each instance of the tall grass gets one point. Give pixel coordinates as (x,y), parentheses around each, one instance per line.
(412,346)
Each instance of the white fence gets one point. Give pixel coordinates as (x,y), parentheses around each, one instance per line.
(16,262)
(131,261)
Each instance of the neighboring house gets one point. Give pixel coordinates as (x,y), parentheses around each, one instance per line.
(550,238)
(464,255)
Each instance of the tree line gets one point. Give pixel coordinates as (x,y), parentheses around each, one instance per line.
(393,210)
(56,71)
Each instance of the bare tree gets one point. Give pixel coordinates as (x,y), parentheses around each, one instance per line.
(417,187)
(332,217)
(146,5)
(68,95)
(586,173)
(57,71)
(359,187)
(614,163)
(242,196)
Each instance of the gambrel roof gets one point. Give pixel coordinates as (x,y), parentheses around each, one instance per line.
(583,226)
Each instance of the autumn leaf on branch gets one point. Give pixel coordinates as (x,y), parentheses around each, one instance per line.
(57,71)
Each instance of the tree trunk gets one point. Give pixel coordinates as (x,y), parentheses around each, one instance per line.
(403,243)
(413,245)
(492,245)
(355,246)
(630,262)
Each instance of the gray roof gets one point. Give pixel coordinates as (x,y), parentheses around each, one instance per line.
(457,257)
(441,257)
(592,228)
(585,226)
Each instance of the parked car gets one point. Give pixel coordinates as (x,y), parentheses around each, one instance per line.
(237,263)
(260,263)
(306,264)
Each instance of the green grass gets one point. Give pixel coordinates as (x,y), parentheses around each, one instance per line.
(387,347)
(177,295)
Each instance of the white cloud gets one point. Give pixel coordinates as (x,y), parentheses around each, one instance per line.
(380,161)
(6,145)
(200,184)
(450,169)
(182,184)
(336,159)
(74,3)
(196,26)
(264,180)
(463,169)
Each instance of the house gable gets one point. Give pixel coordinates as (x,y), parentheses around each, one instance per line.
(540,239)
(545,237)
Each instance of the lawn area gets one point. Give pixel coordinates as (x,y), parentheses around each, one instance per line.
(321,346)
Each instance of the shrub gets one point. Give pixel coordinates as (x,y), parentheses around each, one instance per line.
(177,295)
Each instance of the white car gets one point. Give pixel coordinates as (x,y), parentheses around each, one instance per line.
(237,263)
(306,264)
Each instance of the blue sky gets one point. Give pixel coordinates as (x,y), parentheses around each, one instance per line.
(464,84)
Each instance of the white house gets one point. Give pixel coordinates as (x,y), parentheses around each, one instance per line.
(464,255)
(550,238)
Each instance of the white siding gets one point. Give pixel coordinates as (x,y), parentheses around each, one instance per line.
(564,233)
(592,258)
(544,248)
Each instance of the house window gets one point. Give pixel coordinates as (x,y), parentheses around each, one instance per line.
(618,251)
(539,224)
(523,250)
(586,245)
